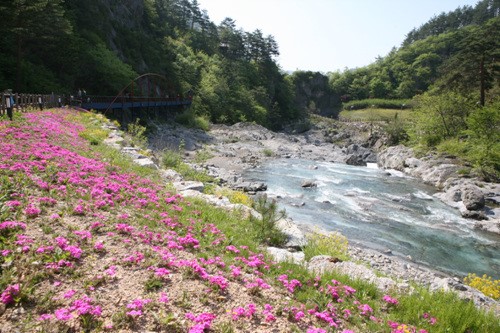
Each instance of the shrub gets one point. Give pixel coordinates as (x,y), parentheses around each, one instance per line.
(171,159)
(235,197)
(266,229)
(268,152)
(331,244)
(484,284)
(202,156)
(94,135)
(138,133)
(396,131)
(189,119)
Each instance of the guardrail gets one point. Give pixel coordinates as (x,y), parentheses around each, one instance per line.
(23,102)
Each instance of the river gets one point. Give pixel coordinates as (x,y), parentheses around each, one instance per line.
(381,210)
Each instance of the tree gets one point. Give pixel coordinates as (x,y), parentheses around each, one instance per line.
(484,139)
(439,117)
(231,40)
(476,65)
(32,26)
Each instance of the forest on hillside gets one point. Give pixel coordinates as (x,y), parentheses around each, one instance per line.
(101,45)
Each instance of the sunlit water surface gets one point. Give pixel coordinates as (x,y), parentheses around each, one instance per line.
(381,211)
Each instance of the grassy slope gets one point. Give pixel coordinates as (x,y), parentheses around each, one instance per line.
(91,242)
(374,114)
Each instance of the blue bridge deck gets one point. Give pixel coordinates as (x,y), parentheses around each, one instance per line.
(110,103)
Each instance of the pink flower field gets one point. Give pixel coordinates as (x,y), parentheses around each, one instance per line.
(89,246)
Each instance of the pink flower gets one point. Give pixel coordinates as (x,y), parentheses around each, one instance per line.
(69,293)
(98,246)
(83,234)
(163,298)
(365,309)
(12,204)
(349,290)
(232,248)
(388,299)
(219,281)
(111,271)
(79,210)
(63,314)
(203,322)
(235,271)
(299,315)
(134,313)
(315,330)
(289,285)
(75,251)
(258,283)
(138,304)
(161,271)
(32,211)
(8,294)
(12,225)
(45,316)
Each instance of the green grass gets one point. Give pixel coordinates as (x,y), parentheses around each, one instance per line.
(375,114)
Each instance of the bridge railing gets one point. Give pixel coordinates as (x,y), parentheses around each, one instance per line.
(23,102)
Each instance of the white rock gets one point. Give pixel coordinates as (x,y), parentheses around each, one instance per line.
(282,255)
(146,162)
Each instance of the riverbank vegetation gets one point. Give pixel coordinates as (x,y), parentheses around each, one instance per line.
(115,249)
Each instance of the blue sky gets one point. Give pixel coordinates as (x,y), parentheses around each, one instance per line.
(330,35)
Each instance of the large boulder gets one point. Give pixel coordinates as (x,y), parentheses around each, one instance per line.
(359,155)
(250,187)
(189,185)
(282,255)
(355,160)
(434,173)
(473,197)
(394,157)
(296,238)
(308,183)
(322,264)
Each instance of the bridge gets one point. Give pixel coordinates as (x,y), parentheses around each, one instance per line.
(106,103)
(146,94)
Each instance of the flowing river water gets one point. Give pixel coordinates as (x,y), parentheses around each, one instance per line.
(381,211)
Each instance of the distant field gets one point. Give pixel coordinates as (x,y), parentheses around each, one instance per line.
(375,114)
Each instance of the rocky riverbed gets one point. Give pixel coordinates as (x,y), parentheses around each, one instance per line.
(229,150)
(232,149)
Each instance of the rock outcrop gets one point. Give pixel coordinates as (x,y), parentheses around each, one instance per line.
(469,195)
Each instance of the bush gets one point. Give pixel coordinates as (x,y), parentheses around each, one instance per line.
(189,119)
(266,230)
(331,244)
(138,133)
(484,284)
(396,131)
(171,159)
(235,197)
(268,152)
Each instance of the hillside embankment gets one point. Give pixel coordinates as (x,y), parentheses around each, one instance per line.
(96,239)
